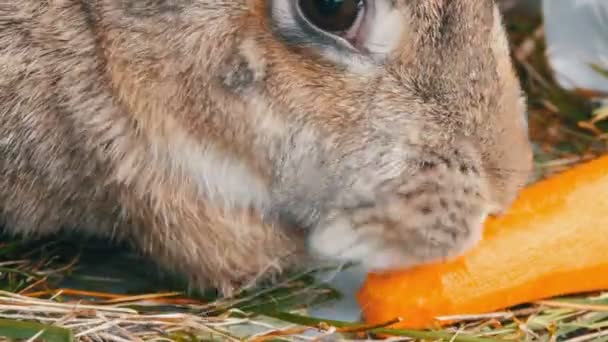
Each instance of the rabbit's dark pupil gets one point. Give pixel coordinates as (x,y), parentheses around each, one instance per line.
(331,15)
(329,7)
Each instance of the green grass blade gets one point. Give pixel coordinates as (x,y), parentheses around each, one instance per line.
(600,70)
(425,335)
(25,330)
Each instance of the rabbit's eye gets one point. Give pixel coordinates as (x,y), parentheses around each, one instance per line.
(335,16)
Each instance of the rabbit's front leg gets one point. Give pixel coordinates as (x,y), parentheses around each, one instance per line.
(213,248)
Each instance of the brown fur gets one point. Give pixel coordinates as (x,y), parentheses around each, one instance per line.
(108,109)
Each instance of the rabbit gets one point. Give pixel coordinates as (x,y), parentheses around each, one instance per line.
(231,141)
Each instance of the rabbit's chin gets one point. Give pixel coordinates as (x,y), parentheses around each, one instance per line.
(376,252)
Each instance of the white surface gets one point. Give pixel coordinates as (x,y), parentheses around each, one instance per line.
(577,36)
(347,282)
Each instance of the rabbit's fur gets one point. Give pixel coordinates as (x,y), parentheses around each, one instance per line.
(228,143)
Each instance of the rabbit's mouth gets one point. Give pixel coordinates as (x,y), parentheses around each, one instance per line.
(433,211)
(377,250)
(400,232)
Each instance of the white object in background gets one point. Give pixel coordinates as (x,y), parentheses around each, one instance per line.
(577,37)
(347,282)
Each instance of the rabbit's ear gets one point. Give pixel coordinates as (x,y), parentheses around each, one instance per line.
(354,31)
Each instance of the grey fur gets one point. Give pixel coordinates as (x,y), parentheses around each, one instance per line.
(120,118)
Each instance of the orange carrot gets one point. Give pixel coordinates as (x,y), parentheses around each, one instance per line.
(552,242)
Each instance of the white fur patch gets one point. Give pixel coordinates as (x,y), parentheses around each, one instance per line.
(335,240)
(219,176)
(340,241)
(223,178)
(385,30)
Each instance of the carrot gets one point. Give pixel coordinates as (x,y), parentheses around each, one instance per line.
(552,242)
